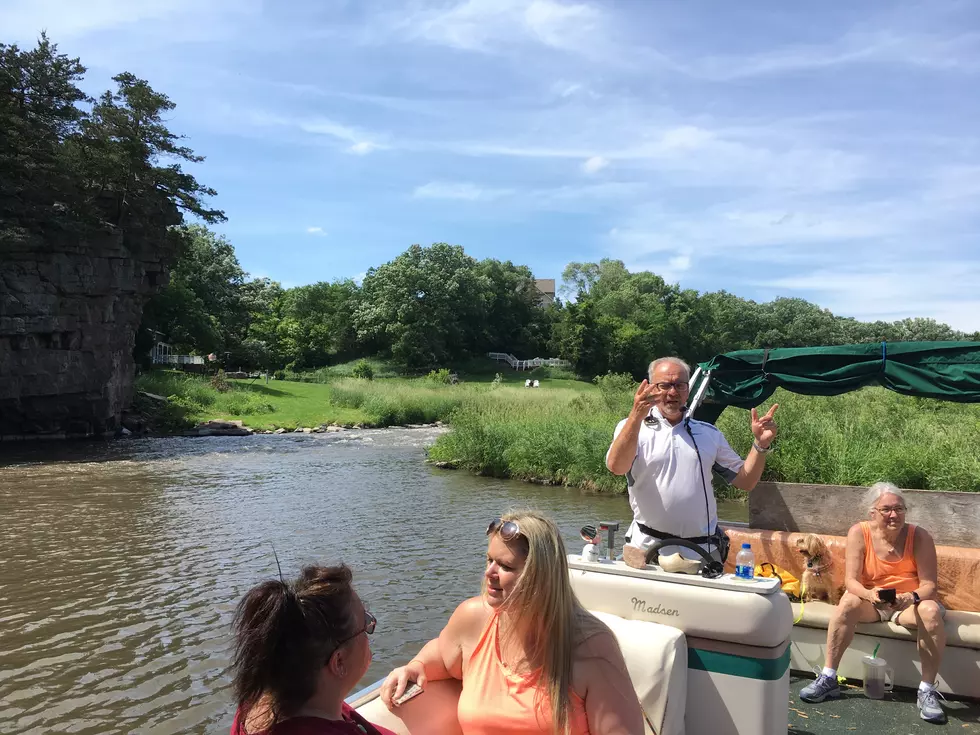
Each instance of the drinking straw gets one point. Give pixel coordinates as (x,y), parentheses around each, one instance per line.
(874,653)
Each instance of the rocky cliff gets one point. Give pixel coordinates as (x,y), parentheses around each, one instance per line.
(69,311)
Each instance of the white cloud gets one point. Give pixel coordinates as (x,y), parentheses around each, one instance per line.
(959,53)
(595,164)
(360,141)
(489,25)
(316,231)
(457,190)
(363,147)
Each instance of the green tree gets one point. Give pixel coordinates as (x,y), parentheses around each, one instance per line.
(318,324)
(203,309)
(428,306)
(38,111)
(122,148)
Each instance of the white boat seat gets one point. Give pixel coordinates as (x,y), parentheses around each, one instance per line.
(962,626)
(656,657)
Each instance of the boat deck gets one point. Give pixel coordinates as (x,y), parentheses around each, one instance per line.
(854,712)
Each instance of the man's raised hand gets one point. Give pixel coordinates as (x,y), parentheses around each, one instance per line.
(764,428)
(644,398)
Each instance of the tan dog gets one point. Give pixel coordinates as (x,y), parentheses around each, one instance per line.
(816,583)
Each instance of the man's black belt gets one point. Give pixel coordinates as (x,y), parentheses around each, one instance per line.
(661,535)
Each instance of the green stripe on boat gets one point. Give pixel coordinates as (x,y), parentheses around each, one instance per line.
(767,669)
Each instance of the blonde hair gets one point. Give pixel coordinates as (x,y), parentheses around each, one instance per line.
(544,611)
(672,361)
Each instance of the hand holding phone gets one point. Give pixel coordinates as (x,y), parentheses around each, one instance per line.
(888,596)
(412,690)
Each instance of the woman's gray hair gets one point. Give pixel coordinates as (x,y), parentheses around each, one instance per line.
(673,361)
(879,489)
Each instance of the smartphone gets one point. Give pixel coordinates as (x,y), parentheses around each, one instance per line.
(412,690)
(887,595)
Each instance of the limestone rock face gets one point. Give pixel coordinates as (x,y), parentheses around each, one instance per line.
(69,310)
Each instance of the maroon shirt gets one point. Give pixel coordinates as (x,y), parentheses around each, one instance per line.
(352,724)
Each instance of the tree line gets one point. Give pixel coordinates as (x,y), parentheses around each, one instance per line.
(435,306)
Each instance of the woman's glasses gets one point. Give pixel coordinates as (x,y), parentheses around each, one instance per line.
(370,623)
(888,510)
(508,530)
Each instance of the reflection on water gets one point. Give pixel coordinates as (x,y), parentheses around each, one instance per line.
(121,564)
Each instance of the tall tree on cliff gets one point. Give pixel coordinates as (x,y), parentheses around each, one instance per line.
(64,164)
(38,113)
(119,151)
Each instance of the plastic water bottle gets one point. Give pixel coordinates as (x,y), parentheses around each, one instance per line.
(745,562)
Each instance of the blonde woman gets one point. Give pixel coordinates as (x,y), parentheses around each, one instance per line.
(531,659)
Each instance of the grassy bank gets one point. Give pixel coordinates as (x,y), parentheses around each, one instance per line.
(559,433)
(342,401)
(853,439)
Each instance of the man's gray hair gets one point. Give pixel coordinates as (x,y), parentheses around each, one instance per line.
(879,489)
(673,361)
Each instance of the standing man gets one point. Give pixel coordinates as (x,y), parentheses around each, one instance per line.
(668,459)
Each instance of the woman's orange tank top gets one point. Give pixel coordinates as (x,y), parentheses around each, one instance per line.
(901,575)
(496,701)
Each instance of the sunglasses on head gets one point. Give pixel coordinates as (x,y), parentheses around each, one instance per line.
(508,530)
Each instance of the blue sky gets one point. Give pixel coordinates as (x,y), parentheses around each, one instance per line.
(829,151)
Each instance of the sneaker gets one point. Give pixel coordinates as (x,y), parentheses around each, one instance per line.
(929,708)
(825,686)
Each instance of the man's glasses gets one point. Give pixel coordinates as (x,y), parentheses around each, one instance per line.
(678,386)
(508,530)
(897,509)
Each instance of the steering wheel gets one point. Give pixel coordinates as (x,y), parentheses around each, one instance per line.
(709,569)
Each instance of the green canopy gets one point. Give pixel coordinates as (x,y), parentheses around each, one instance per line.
(945,370)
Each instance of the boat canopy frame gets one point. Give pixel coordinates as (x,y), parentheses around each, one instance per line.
(948,371)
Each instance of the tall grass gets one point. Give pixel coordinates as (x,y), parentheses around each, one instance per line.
(870,435)
(399,402)
(854,439)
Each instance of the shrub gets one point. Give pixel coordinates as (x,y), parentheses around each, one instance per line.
(617,391)
(362,369)
(242,403)
(279,375)
(555,373)
(441,376)
(219,382)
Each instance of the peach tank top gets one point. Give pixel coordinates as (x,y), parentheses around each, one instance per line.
(496,701)
(902,575)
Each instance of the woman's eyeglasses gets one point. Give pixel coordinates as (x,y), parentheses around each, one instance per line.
(508,530)
(370,623)
(897,509)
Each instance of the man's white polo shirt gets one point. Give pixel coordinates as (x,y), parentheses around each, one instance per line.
(665,481)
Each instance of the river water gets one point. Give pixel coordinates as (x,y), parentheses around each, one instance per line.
(121,564)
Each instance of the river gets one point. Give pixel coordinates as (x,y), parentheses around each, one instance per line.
(121,563)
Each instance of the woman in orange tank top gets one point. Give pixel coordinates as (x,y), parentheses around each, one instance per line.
(890,575)
(532,661)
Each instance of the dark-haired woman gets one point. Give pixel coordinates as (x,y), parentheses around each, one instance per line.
(300,650)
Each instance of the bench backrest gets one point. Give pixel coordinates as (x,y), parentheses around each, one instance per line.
(958,566)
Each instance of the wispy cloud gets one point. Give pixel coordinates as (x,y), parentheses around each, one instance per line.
(457,190)
(495,25)
(959,53)
(316,231)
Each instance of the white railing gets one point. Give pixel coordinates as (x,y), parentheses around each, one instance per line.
(178,360)
(528,364)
